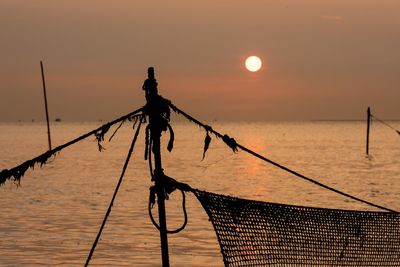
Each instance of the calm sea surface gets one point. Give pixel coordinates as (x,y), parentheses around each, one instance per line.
(53,217)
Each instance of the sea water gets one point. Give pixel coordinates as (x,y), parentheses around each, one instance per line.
(53,217)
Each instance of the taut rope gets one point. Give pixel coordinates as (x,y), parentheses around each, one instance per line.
(386,124)
(234,146)
(115,193)
(17,172)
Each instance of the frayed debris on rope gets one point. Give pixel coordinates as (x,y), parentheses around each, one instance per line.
(227,140)
(100,136)
(15,174)
(207,141)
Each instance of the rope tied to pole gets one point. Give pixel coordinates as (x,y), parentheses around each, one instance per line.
(233,144)
(170,185)
(386,124)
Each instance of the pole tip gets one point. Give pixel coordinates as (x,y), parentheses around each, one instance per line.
(150,72)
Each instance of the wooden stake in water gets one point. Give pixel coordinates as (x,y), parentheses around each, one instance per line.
(45,105)
(368,125)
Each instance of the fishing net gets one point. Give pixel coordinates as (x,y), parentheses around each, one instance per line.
(253,233)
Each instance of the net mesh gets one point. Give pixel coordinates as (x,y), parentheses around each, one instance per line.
(253,233)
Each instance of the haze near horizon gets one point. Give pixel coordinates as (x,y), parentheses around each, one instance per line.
(322,60)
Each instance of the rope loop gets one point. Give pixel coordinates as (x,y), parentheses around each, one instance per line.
(152,201)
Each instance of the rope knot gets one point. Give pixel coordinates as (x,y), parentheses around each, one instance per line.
(168,185)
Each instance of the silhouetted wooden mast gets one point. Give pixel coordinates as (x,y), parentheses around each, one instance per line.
(156,120)
(45,105)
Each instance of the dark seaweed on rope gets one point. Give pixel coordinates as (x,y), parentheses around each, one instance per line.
(100,137)
(15,174)
(230,142)
(170,145)
(207,141)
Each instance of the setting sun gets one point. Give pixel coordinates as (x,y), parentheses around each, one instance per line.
(253,63)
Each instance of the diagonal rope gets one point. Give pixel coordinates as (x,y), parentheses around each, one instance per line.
(232,144)
(385,123)
(17,172)
(114,195)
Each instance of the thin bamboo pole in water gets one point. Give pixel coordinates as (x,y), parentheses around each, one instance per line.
(368,126)
(45,105)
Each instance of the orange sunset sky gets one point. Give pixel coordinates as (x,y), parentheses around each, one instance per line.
(321,59)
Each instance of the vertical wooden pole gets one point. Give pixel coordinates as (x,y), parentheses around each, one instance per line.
(155,122)
(45,105)
(368,126)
